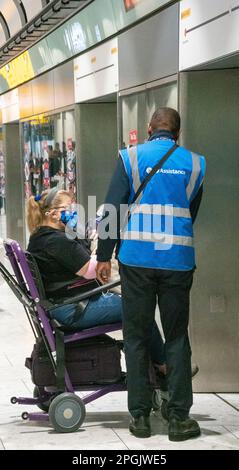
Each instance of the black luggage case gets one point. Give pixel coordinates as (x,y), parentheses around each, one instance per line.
(94,360)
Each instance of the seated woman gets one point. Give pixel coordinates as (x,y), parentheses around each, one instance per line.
(60,259)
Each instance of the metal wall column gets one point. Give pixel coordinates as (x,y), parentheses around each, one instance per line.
(14,182)
(209,102)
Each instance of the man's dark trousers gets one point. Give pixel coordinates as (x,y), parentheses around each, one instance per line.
(141,287)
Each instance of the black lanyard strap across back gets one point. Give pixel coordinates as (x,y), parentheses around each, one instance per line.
(146,180)
(157,167)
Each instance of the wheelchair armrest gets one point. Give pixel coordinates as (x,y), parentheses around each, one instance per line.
(87,295)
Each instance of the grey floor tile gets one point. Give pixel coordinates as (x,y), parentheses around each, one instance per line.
(212,438)
(232,398)
(209,409)
(30,436)
(234,430)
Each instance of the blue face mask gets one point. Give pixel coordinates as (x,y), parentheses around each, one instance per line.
(69,218)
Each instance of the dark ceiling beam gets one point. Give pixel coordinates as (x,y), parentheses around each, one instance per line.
(21,11)
(5,27)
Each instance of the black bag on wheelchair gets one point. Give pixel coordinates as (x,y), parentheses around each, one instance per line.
(90,361)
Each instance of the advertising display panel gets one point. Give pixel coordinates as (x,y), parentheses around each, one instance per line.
(208,31)
(99,21)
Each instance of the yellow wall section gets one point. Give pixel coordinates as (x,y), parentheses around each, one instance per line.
(18,71)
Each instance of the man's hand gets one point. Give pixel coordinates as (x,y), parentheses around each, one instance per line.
(103,271)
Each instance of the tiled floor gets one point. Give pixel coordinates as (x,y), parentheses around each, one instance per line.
(106,424)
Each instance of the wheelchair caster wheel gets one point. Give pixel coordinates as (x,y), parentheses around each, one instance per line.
(44,406)
(14,400)
(66,412)
(25,415)
(164,409)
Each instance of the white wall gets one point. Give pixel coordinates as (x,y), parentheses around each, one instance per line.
(208,30)
(96,72)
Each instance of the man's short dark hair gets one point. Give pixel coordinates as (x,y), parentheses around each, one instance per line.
(166,118)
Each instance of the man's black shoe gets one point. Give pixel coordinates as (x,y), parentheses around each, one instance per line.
(140,427)
(183,430)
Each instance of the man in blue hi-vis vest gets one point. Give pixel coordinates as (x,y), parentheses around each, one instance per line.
(157,261)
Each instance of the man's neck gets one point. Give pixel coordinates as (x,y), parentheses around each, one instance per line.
(162,134)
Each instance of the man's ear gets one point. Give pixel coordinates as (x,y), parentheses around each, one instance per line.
(149,130)
(177,135)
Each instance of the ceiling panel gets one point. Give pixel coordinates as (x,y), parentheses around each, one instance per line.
(28,20)
(32,7)
(9,11)
(15,12)
(2,36)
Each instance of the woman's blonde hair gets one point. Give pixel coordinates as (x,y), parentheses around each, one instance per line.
(39,205)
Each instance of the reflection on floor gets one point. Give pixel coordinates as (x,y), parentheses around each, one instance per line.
(106,424)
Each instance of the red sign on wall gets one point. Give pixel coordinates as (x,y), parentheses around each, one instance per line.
(133,137)
(129,4)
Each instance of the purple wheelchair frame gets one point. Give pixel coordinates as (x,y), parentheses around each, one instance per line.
(33,306)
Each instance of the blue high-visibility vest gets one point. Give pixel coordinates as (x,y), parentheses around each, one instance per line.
(159,233)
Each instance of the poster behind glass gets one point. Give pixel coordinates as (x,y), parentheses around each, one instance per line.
(49,160)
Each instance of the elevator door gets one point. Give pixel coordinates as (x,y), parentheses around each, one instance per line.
(137,109)
(97,148)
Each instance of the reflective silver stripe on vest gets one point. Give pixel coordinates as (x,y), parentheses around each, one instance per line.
(157,238)
(132,152)
(159,209)
(194,176)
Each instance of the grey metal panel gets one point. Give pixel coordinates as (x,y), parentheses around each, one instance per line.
(210,126)
(149,51)
(64,85)
(43,93)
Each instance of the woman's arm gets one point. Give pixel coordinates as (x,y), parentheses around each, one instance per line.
(88,271)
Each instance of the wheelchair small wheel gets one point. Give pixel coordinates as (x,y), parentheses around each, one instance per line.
(44,406)
(25,415)
(14,400)
(66,412)
(164,409)
(156,400)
